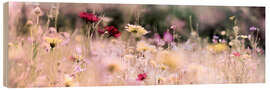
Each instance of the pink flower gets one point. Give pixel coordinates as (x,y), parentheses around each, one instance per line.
(236,54)
(141,77)
(158,40)
(168,37)
(214,41)
(173,27)
(89,17)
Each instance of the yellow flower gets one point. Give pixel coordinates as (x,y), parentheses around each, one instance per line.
(195,67)
(129,57)
(113,68)
(10,44)
(68,81)
(171,59)
(29,23)
(194,33)
(243,36)
(53,41)
(160,80)
(153,63)
(113,40)
(195,72)
(138,30)
(246,56)
(130,50)
(163,67)
(78,38)
(114,65)
(218,48)
(232,17)
(143,46)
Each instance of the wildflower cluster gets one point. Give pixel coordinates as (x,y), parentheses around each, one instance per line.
(104,52)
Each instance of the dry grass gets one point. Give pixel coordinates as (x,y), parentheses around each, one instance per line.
(79,60)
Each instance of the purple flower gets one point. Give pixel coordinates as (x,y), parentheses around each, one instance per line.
(167,37)
(252,28)
(215,37)
(223,41)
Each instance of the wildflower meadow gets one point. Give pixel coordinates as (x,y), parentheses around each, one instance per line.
(87,44)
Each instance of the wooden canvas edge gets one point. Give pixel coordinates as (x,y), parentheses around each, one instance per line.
(5,43)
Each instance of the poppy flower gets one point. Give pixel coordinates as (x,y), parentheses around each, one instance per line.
(141,76)
(111,30)
(89,17)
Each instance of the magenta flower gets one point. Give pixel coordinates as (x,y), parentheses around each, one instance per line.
(141,77)
(168,37)
(89,17)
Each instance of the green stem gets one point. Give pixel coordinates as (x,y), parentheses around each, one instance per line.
(190,23)
(56,16)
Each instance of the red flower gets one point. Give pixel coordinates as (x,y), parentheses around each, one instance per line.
(112,31)
(236,54)
(141,76)
(89,17)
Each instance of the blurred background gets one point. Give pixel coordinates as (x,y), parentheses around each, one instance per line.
(208,20)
